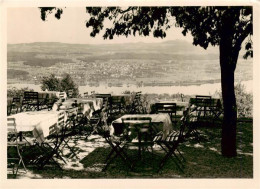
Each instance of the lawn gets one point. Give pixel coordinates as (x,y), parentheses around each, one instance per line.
(203,159)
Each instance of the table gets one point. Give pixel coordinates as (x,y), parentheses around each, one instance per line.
(179,105)
(38,122)
(161,121)
(86,105)
(125,98)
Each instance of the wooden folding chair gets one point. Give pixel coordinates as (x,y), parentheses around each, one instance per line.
(169,108)
(70,93)
(116,105)
(203,103)
(30,101)
(14,141)
(171,142)
(16,105)
(54,141)
(139,128)
(117,145)
(106,100)
(137,107)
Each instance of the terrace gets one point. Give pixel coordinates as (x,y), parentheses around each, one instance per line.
(91,132)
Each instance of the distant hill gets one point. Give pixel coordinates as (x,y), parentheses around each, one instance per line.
(169,62)
(174,46)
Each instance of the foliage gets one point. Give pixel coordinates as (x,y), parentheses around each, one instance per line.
(67,84)
(244,101)
(14,92)
(52,83)
(203,23)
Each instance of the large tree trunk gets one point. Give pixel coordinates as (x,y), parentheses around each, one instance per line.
(228,143)
(228,60)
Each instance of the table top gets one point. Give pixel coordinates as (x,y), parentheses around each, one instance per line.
(180,106)
(156,118)
(86,105)
(36,121)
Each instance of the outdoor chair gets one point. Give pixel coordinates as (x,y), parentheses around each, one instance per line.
(116,105)
(117,145)
(30,101)
(106,100)
(69,130)
(85,95)
(70,93)
(62,95)
(137,107)
(169,108)
(139,128)
(51,146)
(170,144)
(14,141)
(203,103)
(16,105)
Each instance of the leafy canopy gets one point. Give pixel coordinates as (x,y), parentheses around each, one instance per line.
(204,23)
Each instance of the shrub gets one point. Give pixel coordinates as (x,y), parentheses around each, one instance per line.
(64,84)
(14,92)
(244,101)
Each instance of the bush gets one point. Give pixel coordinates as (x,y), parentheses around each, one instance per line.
(14,92)
(66,83)
(244,101)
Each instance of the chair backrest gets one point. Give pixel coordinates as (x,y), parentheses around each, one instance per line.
(28,95)
(202,100)
(85,95)
(56,128)
(165,107)
(62,95)
(16,100)
(106,99)
(137,125)
(61,119)
(70,93)
(138,95)
(11,126)
(116,99)
(102,95)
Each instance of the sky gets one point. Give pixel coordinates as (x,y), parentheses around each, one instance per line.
(24,25)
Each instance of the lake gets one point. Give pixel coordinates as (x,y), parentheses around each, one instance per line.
(204,89)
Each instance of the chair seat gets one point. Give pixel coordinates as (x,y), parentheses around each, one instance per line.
(171,137)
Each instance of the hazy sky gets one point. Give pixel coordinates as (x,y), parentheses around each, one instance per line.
(24,25)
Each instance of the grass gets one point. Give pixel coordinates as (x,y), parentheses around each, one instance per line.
(203,159)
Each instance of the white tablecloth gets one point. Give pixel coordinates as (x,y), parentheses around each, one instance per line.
(38,122)
(88,105)
(156,118)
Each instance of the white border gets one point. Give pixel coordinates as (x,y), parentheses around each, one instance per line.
(128,183)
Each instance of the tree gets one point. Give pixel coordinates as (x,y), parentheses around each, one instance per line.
(67,84)
(52,83)
(226,27)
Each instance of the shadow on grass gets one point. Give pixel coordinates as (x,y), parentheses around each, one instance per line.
(203,160)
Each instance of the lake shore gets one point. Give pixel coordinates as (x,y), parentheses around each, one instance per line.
(204,89)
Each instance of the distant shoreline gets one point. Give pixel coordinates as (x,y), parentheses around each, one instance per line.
(203,89)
